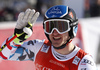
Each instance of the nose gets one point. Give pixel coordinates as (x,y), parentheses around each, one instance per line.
(55,32)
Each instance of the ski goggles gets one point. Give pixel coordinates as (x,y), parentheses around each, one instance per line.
(60,25)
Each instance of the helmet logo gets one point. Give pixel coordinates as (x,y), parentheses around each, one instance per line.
(56,11)
(71,15)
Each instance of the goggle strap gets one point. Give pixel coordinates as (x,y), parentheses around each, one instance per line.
(74,23)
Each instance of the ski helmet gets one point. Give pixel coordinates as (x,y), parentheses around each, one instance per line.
(62,12)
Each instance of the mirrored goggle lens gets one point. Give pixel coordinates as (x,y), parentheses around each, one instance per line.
(60,25)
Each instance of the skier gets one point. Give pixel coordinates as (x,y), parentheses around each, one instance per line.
(58,52)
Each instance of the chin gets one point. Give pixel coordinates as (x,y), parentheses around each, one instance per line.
(57,45)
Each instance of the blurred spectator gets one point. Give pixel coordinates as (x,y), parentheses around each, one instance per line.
(1,11)
(98,3)
(8,14)
(9,9)
(92,8)
(43,5)
(86,12)
(18,7)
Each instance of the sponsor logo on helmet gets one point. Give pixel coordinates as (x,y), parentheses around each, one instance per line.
(57,11)
(71,15)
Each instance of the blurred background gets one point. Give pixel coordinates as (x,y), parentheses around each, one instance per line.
(9,9)
(87,11)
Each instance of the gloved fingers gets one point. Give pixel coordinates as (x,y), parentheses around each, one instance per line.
(34,18)
(26,14)
(29,16)
(19,24)
(32,12)
(20,16)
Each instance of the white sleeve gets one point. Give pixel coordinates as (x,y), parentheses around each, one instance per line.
(87,63)
(27,51)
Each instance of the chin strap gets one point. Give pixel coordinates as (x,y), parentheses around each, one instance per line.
(64,45)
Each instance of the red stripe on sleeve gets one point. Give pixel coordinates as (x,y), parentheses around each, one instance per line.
(2,55)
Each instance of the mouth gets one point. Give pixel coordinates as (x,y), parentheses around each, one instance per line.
(56,38)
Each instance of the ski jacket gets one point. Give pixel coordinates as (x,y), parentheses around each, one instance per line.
(42,53)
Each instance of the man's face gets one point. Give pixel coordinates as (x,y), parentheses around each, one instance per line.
(58,39)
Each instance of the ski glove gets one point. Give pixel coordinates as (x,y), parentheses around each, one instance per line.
(23,28)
